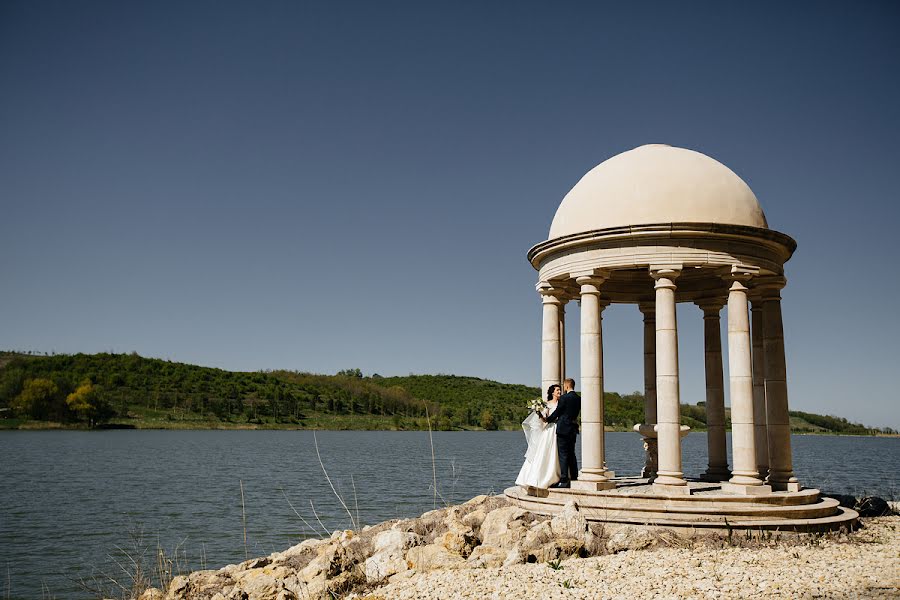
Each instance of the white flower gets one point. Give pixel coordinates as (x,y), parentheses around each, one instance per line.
(537,405)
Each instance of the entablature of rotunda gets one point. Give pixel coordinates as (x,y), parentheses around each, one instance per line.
(704,254)
(636,285)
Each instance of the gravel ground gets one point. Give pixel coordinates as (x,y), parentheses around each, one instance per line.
(863,565)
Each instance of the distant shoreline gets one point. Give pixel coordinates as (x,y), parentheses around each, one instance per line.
(16,425)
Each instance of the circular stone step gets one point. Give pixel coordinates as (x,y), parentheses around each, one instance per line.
(709,509)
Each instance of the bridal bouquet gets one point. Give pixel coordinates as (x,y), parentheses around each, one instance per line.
(537,405)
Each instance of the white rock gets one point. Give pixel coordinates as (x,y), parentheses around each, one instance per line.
(503,527)
(629,538)
(433,556)
(569,523)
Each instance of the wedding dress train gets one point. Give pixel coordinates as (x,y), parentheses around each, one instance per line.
(541,468)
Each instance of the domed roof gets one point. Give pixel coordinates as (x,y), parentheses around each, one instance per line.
(657,183)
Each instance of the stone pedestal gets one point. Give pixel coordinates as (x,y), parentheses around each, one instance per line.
(746,490)
(648,435)
(592,486)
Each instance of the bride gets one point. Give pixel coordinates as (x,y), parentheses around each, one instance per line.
(541,468)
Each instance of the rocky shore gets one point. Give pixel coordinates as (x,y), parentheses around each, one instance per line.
(487,548)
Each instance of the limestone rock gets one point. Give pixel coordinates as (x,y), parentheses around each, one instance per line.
(539,534)
(514,557)
(487,556)
(629,538)
(595,539)
(262,586)
(304,546)
(178,589)
(396,541)
(477,500)
(331,560)
(433,556)
(383,564)
(459,538)
(152,594)
(504,527)
(390,549)
(474,519)
(569,523)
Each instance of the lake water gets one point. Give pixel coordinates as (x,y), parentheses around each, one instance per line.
(71,501)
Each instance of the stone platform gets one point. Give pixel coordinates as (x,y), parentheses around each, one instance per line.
(634,501)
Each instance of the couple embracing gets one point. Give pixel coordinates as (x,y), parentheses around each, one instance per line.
(550,461)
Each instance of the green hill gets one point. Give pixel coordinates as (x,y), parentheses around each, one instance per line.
(127,390)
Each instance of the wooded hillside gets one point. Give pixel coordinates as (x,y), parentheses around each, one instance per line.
(127,390)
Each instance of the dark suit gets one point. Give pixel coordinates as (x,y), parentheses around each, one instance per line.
(566,418)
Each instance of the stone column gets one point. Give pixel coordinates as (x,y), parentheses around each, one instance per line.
(562,338)
(778,423)
(668,428)
(550,342)
(646,429)
(593,474)
(717,447)
(760,436)
(744,477)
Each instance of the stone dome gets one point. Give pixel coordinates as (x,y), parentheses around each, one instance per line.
(657,183)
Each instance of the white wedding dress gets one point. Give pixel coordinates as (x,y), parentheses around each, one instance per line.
(541,468)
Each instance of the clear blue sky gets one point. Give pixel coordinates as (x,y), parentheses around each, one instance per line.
(317,186)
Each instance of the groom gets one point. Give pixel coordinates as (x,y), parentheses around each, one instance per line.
(566,431)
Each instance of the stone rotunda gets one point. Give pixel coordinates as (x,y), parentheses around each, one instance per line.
(652,227)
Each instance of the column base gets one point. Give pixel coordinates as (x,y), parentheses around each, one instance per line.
(785,486)
(716,474)
(535,491)
(598,475)
(671,490)
(783,481)
(592,486)
(746,490)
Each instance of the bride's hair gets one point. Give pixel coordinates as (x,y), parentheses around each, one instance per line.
(550,391)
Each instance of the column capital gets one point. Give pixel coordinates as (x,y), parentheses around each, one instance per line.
(590,284)
(769,287)
(665,275)
(740,276)
(550,293)
(601,274)
(711,307)
(667,271)
(648,309)
(742,273)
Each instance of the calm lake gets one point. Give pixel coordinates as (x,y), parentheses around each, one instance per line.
(71,502)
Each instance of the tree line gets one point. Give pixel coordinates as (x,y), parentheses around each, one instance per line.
(93,389)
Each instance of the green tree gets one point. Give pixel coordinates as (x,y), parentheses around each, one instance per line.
(488,421)
(88,404)
(39,399)
(351,373)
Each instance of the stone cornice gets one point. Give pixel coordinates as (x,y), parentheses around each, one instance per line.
(783,244)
